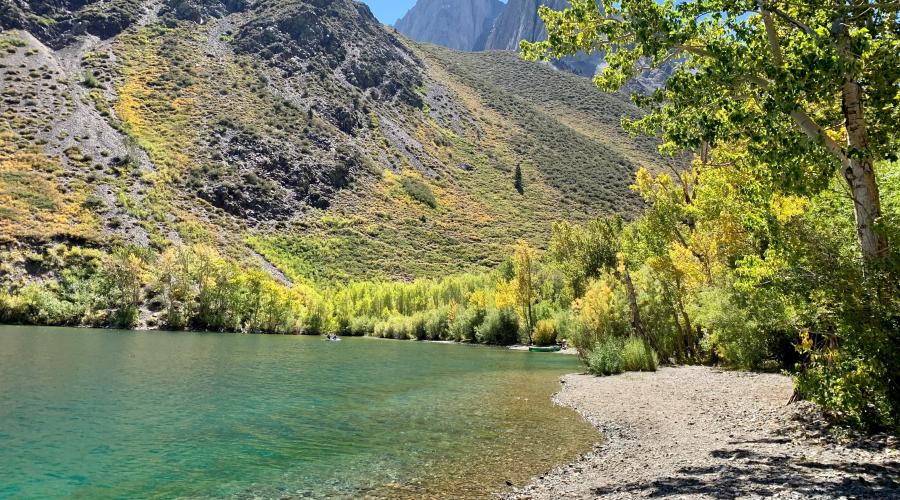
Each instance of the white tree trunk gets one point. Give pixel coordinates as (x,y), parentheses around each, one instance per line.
(859,172)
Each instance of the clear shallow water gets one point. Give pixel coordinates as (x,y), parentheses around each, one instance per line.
(88,414)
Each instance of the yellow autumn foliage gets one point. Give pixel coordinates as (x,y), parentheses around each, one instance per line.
(32,206)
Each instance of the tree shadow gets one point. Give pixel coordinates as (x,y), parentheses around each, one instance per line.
(744,472)
(811,419)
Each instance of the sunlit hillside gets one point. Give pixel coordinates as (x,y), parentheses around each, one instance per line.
(330,162)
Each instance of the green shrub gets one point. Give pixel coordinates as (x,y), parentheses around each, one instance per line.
(391,328)
(124,317)
(89,80)
(849,391)
(616,355)
(401,327)
(605,358)
(381,329)
(500,327)
(464,325)
(10,43)
(419,191)
(437,324)
(414,326)
(638,357)
(566,324)
(39,304)
(317,321)
(545,332)
(361,326)
(732,333)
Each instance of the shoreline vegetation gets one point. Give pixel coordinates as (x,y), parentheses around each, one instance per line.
(689,282)
(773,246)
(686,283)
(766,243)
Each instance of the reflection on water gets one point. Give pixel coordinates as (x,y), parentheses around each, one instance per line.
(89,414)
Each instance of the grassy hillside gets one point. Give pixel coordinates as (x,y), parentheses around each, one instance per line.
(465,147)
(325,148)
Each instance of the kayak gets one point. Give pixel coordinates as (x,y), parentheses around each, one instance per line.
(551,348)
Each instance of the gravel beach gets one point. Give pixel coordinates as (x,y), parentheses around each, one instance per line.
(698,432)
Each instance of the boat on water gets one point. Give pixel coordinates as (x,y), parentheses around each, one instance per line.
(549,348)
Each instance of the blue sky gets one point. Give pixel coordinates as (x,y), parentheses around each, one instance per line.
(388,11)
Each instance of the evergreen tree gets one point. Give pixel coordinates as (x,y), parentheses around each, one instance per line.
(517,182)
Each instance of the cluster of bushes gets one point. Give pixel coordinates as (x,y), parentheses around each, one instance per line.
(616,355)
(381,300)
(184,287)
(739,274)
(485,326)
(429,325)
(91,287)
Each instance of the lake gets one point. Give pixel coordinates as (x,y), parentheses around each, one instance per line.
(101,414)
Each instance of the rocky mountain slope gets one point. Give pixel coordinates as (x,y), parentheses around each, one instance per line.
(460,25)
(295,135)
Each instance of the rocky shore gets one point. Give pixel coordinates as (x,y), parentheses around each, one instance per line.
(698,432)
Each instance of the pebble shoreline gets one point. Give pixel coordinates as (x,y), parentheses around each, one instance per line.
(699,432)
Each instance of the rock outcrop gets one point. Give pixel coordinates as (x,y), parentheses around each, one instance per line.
(460,24)
(520,21)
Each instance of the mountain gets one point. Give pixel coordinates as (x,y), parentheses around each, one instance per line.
(460,25)
(516,21)
(477,25)
(297,136)
(520,21)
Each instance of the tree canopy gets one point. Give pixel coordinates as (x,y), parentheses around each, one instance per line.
(807,87)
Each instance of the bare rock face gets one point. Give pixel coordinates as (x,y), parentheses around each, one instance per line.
(456,24)
(477,25)
(329,36)
(520,21)
(56,22)
(201,10)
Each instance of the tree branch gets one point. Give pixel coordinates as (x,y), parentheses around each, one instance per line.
(804,28)
(772,35)
(791,20)
(693,49)
(816,132)
(803,121)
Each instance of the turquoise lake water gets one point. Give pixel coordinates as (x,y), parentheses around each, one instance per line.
(112,414)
